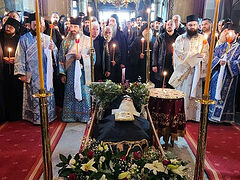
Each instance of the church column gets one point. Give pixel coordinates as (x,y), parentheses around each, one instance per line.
(188,7)
(170,9)
(2,7)
(158,4)
(13,5)
(83,6)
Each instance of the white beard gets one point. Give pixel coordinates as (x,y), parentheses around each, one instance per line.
(114,31)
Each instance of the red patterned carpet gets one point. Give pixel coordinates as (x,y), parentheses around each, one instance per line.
(21,149)
(222,151)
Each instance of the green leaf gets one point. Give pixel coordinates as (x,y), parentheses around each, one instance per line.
(63,158)
(61,164)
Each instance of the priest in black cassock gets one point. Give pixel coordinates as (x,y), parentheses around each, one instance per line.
(121,43)
(137,55)
(162,55)
(98,44)
(11,88)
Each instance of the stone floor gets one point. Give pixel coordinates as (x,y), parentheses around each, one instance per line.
(71,140)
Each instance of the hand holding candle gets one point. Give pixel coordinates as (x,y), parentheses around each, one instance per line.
(164,77)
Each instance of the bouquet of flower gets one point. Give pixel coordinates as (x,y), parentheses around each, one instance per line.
(106,92)
(98,161)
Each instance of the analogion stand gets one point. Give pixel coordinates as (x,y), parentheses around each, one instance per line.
(167,110)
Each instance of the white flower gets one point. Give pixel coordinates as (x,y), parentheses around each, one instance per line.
(89,166)
(103,177)
(179,170)
(102,159)
(72,162)
(155,167)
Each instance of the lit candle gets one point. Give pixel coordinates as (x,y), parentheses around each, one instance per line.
(90,26)
(39,46)
(148,28)
(209,66)
(9,52)
(63,37)
(77,41)
(164,77)
(114,47)
(229,41)
(216,34)
(142,44)
(51,29)
(148,48)
(204,42)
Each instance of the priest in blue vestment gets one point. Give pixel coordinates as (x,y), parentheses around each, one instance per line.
(225,73)
(26,68)
(76,74)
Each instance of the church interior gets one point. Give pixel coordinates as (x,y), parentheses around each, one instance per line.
(120,89)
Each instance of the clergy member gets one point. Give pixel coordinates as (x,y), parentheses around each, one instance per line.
(76,72)
(26,68)
(12,87)
(137,56)
(225,73)
(190,61)
(121,42)
(163,54)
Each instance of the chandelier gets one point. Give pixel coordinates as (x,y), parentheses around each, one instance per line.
(119,3)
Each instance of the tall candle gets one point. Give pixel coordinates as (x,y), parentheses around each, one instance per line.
(209,66)
(51,29)
(39,46)
(164,78)
(9,52)
(142,44)
(77,41)
(90,25)
(114,47)
(148,28)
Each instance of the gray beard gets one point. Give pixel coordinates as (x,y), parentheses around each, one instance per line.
(114,31)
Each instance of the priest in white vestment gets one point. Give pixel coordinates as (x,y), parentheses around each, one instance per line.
(190,63)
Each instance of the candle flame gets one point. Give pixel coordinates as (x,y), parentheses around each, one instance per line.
(52,20)
(148,10)
(78,36)
(230,37)
(89,9)
(114,45)
(206,36)
(142,39)
(9,49)
(68,19)
(164,73)
(173,44)
(63,37)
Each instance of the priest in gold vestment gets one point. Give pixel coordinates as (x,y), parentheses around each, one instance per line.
(190,62)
